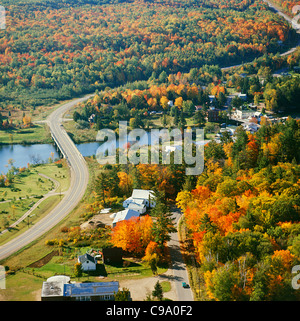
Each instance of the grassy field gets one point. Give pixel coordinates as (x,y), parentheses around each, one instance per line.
(60,174)
(35,135)
(43,209)
(80,135)
(22,195)
(30,183)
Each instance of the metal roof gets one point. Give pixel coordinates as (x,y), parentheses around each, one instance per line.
(91,289)
(142,193)
(125,215)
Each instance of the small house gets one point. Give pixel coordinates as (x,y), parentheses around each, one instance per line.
(147,198)
(243,113)
(88,262)
(212,98)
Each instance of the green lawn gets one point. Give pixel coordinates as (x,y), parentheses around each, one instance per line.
(26,185)
(29,184)
(11,211)
(22,287)
(43,209)
(80,135)
(36,134)
(59,174)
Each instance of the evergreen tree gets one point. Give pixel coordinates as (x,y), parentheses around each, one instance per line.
(158,291)
(164,224)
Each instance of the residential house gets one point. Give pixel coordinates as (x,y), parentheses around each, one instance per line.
(170,103)
(136,206)
(174,148)
(88,262)
(243,113)
(251,127)
(124,215)
(92,118)
(141,196)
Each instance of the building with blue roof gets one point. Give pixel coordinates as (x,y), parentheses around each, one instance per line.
(57,290)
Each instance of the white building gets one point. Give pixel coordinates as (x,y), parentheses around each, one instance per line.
(88,263)
(242,96)
(141,196)
(251,127)
(139,207)
(124,215)
(243,114)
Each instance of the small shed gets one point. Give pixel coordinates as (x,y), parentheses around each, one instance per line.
(113,255)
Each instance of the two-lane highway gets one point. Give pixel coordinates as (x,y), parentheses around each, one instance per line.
(78,184)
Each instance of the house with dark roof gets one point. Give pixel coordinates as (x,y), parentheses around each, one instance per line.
(88,262)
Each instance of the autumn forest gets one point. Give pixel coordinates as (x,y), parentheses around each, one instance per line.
(241,223)
(53,51)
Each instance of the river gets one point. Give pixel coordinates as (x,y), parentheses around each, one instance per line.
(41,153)
(36,153)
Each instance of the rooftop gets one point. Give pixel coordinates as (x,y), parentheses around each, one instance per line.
(142,193)
(93,288)
(86,257)
(53,289)
(125,215)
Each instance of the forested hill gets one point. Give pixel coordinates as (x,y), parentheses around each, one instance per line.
(54,50)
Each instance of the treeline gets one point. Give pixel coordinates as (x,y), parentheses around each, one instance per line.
(186,90)
(50,54)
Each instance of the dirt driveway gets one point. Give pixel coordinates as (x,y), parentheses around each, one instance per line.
(139,288)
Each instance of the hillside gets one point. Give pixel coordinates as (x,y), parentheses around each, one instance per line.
(53,51)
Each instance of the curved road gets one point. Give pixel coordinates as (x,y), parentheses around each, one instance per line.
(78,184)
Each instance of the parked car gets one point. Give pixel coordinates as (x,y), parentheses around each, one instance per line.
(185,285)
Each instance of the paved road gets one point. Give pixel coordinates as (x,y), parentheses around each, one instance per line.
(78,184)
(179,270)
